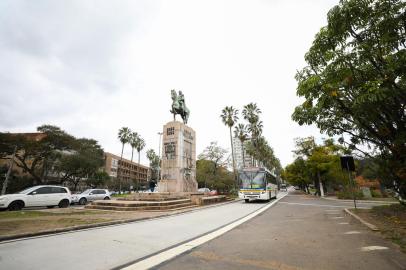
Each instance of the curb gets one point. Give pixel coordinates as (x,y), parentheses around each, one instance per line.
(369,225)
(360,201)
(103,224)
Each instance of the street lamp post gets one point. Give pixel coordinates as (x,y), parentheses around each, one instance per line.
(159,156)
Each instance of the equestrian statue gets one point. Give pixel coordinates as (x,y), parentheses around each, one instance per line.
(179,106)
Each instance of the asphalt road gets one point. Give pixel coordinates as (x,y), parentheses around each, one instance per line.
(111,247)
(299,232)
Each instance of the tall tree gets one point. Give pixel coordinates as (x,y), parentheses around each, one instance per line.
(251,114)
(140,146)
(80,164)
(124,135)
(35,151)
(216,154)
(229,116)
(134,138)
(241,133)
(355,80)
(154,161)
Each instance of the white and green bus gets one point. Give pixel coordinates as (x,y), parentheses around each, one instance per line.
(257,184)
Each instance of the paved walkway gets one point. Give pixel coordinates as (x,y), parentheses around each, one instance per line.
(300,232)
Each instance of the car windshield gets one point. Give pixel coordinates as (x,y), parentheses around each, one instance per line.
(252,179)
(86,191)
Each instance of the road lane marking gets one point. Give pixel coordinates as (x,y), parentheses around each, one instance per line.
(336,217)
(371,248)
(343,223)
(352,232)
(176,251)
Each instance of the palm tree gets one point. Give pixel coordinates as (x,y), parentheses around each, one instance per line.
(241,133)
(229,116)
(124,135)
(139,147)
(140,144)
(133,142)
(251,114)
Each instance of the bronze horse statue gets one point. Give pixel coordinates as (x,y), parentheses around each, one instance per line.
(179,106)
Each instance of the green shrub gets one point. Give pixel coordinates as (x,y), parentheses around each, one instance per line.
(376,193)
(347,194)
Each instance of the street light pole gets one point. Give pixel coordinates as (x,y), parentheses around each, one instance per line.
(159,156)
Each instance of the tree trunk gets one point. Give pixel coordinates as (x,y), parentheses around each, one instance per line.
(243,155)
(118,169)
(232,154)
(132,154)
(137,177)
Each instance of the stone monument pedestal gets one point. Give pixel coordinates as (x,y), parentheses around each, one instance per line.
(178,167)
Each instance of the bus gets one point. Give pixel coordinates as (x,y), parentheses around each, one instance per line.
(257,184)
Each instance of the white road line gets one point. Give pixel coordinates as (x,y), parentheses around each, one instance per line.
(343,223)
(336,217)
(173,252)
(353,232)
(371,248)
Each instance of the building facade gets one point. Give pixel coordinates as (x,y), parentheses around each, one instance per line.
(129,173)
(238,154)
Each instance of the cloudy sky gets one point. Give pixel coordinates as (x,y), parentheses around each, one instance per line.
(91,67)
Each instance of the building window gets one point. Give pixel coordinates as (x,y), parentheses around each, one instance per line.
(170,131)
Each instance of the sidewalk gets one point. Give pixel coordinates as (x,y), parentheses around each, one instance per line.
(333,198)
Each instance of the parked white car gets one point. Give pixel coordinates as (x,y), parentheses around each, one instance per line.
(90,195)
(48,196)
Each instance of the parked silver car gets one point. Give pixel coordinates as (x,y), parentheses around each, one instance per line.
(90,195)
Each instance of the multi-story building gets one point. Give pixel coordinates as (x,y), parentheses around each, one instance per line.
(125,170)
(238,154)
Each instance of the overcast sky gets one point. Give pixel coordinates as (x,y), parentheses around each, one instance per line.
(91,67)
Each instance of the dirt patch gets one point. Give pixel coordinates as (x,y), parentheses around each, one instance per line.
(390,219)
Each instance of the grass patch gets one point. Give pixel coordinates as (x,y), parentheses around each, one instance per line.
(34,214)
(25,214)
(391,221)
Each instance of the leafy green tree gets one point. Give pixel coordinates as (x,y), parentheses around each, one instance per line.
(229,116)
(35,152)
(154,162)
(81,163)
(297,174)
(321,163)
(355,80)
(221,180)
(216,154)
(98,179)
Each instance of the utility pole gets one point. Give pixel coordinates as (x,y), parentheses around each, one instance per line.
(159,157)
(10,167)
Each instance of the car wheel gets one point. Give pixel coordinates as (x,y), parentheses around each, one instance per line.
(63,204)
(247,200)
(107,198)
(16,206)
(50,206)
(82,201)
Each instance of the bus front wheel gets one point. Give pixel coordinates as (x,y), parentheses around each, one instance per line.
(247,200)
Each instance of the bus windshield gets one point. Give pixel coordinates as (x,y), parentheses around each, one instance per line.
(252,179)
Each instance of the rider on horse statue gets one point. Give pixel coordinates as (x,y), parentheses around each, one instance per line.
(179,106)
